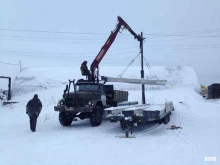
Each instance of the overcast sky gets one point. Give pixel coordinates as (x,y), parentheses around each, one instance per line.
(183,32)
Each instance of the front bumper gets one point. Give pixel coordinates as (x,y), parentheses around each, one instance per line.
(73,109)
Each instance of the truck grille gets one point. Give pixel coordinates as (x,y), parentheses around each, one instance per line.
(71,102)
(151,114)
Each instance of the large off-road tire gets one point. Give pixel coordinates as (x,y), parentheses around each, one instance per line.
(96,116)
(65,120)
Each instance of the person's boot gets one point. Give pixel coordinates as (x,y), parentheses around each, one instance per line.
(32,126)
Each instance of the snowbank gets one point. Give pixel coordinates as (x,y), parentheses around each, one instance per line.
(178,76)
(32,79)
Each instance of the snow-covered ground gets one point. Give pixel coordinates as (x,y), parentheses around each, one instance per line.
(86,145)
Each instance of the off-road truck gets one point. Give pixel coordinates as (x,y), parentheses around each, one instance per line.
(87,100)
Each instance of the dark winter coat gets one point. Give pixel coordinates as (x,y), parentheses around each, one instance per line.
(84,69)
(34,107)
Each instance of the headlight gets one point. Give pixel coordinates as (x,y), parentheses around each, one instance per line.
(90,103)
(60,103)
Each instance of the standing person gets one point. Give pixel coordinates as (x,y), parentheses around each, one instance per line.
(33,109)
(84,69)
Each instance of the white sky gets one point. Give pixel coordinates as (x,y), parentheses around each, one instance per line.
(197,18)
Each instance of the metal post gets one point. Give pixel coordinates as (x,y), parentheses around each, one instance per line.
(142,67)
(9,89)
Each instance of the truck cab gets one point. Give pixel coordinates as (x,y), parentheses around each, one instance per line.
(86,94)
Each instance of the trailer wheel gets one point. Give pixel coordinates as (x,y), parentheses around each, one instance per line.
(126,133)
(96,116)
(115,104)
(65,120)
(166,119)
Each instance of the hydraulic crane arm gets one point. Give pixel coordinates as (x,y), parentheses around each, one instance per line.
(121,24)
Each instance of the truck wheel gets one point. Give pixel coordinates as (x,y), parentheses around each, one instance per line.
(65,120)
(96,116)
(166,119)
(160,121)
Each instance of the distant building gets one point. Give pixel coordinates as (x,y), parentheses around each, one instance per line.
(214,91)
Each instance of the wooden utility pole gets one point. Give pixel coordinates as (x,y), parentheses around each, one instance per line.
(142,67)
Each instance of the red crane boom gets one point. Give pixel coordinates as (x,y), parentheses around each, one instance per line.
(121,24)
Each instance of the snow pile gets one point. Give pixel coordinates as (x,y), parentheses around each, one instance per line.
(32,79)
(176,77)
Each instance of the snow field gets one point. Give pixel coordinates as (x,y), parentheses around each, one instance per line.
(82,144)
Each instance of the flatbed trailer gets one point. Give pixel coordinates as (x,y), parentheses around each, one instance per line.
(128,115)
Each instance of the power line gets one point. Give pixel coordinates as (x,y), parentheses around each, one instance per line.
(60,57)
(57,38)
(186,35)
(188,32)
(60,41)
(21,54)
(150,69)
(61,53)
(92,40)
(47,31)
(121,74)
(187,48)
(8,63)
(97,33)
(211,45)
(182,35)
(87,39)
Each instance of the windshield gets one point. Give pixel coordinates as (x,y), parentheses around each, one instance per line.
(87,87)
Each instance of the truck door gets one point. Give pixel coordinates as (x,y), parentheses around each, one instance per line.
(103,95)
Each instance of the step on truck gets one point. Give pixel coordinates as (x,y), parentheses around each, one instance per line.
(87,101)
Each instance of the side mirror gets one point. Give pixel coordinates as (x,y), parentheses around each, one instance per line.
(64,91)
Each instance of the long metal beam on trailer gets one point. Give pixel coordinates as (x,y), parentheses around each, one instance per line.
(141,110)
(133,81)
